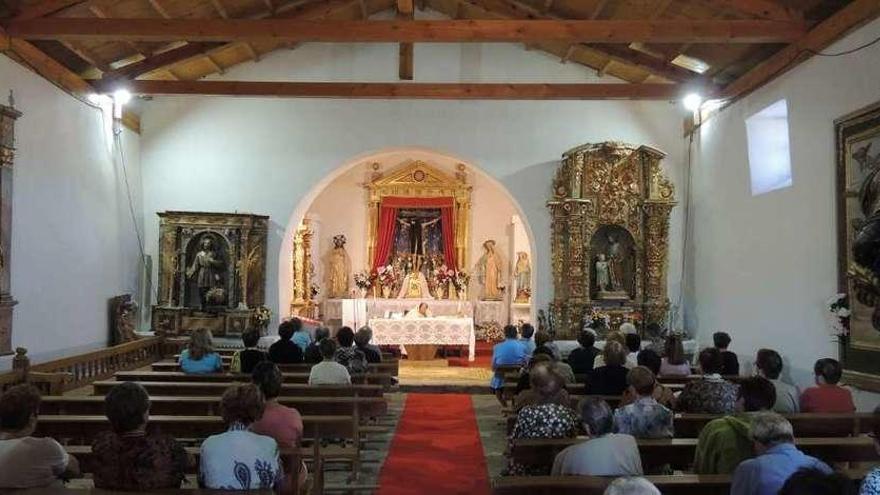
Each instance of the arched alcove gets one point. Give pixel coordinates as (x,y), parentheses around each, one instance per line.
(339,203)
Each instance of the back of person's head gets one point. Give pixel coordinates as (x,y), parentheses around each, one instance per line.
(615,337)
(596,416)
(285,330)
(631,486)
(586,339)
(541,338)
(527,330)
(711,361)
(721,340)
(345,337)
(242,403)
(250,338)
(540,357)
(201,343)
(769,428)
(614,354)
(126,406)
(769,362)
(363,336)
(757,394)
(674,350)
(327,348)
(19,406)
(813,481)
(296,324)
(322,333)
(545,380)
(642,380)
(267,375)
(829,370)
(650,359)
(654,329)
(633,342)
(510,332)
(627,328)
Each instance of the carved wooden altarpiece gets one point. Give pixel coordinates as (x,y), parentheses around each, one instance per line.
(303,301)
(610,198)
(8,116)
(236,272)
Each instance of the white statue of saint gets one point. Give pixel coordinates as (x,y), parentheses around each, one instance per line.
(523,274)
(415,285)
(603,279)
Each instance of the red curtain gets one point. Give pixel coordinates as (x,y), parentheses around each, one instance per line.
(388,225)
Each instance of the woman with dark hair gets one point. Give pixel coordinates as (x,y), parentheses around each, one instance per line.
(674,363)
(240,459)
(284,350)
(199,355)
(709,394)
(27,461)
(244,360)
(581,359)
(347,354)
(609,379)
(827,396)
(130,457)
(282,423)
(313,351)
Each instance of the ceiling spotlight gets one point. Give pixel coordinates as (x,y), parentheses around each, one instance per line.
(692,102)
(121,97)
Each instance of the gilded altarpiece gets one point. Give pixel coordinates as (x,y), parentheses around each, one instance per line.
(212,272)
(610,235)
(303,268)
(8,116)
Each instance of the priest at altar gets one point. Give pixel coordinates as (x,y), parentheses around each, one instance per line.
(420,311)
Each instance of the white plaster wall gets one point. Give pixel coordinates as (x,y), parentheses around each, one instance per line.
(73,240)
(762,267)
(264,155)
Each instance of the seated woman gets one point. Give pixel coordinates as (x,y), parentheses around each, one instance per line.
(709,394)
(645,417)
(240,459)
(347,354)
(26,461)
(545,419)
(605,453)
(674,363)
(609,337)
(199,356)
(663,395)
(282,423)
(362,342)
(301,335)
(244,361)
(609,379)
(581,359)
(544,341)
(312,355)
(129,457)
(827,396)
(328,371)
(537,378)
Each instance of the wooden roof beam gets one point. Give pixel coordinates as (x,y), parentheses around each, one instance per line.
(435,91)
(405,57)
(828,31)
(762,9)
(457,31)
(44,8)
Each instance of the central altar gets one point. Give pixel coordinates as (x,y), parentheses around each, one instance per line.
(425,331)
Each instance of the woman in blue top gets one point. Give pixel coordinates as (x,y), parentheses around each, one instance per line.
(199,356)
(301,336)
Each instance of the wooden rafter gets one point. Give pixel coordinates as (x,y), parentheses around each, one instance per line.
(513,30)
(44,8)
(405,62)
(762,9)
(849,17)
(440,91)
(99,12)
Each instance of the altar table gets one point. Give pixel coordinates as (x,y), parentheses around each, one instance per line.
(430,331)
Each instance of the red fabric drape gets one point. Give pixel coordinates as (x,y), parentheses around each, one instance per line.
(385,237)
(447,224)
(388,225)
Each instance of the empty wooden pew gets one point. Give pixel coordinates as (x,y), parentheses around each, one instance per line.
(217,389)
(177,376)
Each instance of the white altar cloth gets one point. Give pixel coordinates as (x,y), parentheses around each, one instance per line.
(377,308)
(427,331)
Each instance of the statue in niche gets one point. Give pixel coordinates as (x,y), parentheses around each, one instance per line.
(489,273)
(523,274)
(615,262)
(603,279)
(339,264)
(613,268)
(206,268)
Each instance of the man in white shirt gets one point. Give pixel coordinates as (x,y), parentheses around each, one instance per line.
(605,453)
(769,364)
(328,371)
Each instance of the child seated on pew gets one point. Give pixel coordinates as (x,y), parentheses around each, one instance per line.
(131,457)
(26,461)
(199,356)
(827,396)
(245,360)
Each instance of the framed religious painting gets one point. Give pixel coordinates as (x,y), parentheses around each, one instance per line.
(858,225)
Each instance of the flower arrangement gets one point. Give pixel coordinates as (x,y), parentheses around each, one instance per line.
(838,315)
(261,317)
(443,275)
(490,331)
(363,280)
(461,280)
(387,276)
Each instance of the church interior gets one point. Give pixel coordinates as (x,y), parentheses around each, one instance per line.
(440,246)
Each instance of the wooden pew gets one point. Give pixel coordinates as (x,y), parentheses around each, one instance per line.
(679,452)
(391,367)
(574,389)
(210,406)
(216,389)
(177,376)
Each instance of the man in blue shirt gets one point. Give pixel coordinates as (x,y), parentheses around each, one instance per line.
(777,458)
(527,331)
(508,353)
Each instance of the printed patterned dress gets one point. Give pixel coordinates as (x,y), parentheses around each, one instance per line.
(240,460)
(138,461)
(541,421)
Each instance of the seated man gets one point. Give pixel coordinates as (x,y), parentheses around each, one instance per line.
(328,371)
(827,396)
(244,360)
(644,418)
(26,461)
(709,394)
(776,460)
(631,486)
(731,363)
(284,351)
(527,331)
(769,364)
(724,442)
(131,457)
(605,453)
(313,352)
(581,359)
(508,353)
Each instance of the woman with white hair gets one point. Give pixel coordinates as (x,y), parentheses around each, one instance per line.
(631,486)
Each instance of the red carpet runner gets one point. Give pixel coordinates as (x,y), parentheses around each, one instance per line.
(436,450)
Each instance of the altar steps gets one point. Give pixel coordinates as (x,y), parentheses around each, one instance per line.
(483,357)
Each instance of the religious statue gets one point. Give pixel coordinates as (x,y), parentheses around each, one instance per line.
(489,273)
(615,263)
(123,311)
(339,268)
(206,268)
(523,274)
(418,234)
(603,279)
(415,285)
